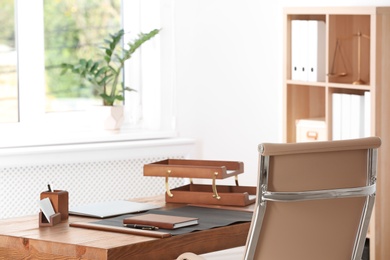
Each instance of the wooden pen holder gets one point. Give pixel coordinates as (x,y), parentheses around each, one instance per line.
(59,199)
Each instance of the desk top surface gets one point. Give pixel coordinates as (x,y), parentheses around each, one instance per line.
(22,237)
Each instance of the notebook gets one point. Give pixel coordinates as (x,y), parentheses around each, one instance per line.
(161,221)
(110,208)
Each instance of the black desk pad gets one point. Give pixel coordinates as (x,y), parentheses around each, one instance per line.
(208,218)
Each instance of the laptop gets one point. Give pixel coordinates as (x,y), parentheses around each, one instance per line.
(110,208)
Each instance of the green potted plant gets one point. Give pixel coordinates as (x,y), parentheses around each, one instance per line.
(104,74)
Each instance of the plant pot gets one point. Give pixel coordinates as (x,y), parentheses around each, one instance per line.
(114,117)
(110,117)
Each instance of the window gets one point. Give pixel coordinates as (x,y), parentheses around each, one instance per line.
(50,110)
(75,29)
(8,64)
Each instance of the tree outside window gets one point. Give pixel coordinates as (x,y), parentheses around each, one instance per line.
(73,30)
(33,91)
(8,64)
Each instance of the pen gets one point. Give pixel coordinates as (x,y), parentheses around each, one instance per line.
(144,227)
(49,188)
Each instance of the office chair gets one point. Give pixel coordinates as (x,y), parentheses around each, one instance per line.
(314,200)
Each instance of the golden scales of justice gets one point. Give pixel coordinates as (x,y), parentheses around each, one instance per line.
(359,36)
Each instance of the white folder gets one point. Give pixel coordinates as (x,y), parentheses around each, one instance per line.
(298,49)
(336,116)
(367,113)
(345,116)
(357,116)
(316,37)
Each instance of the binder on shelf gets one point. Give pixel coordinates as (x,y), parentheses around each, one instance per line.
(294,49)
(336,116)
(367,113)
(298,49)
(316,51)
(357,116)
(308,50)
(350,116)
(345,116)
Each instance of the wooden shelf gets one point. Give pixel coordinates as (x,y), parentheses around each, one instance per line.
(305,83)
(349,86)
(357,41)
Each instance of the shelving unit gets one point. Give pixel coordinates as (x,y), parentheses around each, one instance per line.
(357,60)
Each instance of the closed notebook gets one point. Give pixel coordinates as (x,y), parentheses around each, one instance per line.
(161,221)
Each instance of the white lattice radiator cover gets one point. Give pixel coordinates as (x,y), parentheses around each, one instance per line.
(92,180)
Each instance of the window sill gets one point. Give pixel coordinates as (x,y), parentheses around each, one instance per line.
(49,137)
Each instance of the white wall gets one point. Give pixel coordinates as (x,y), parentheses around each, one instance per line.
(229,74)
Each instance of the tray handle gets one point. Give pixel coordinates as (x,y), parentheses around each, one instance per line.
(215,193)
(167,184)
(214,185)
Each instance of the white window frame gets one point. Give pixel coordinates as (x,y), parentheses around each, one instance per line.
(154,111)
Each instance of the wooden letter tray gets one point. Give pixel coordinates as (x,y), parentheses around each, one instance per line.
(203,194)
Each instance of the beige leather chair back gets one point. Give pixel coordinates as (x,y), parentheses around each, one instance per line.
(314,200)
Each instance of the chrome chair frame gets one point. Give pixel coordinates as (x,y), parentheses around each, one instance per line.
(263,195)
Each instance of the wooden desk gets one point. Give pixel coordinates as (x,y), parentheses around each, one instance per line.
(22,238)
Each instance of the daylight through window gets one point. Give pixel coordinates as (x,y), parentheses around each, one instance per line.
(8,64)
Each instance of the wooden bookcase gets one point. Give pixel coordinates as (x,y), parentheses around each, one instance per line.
(368,62)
